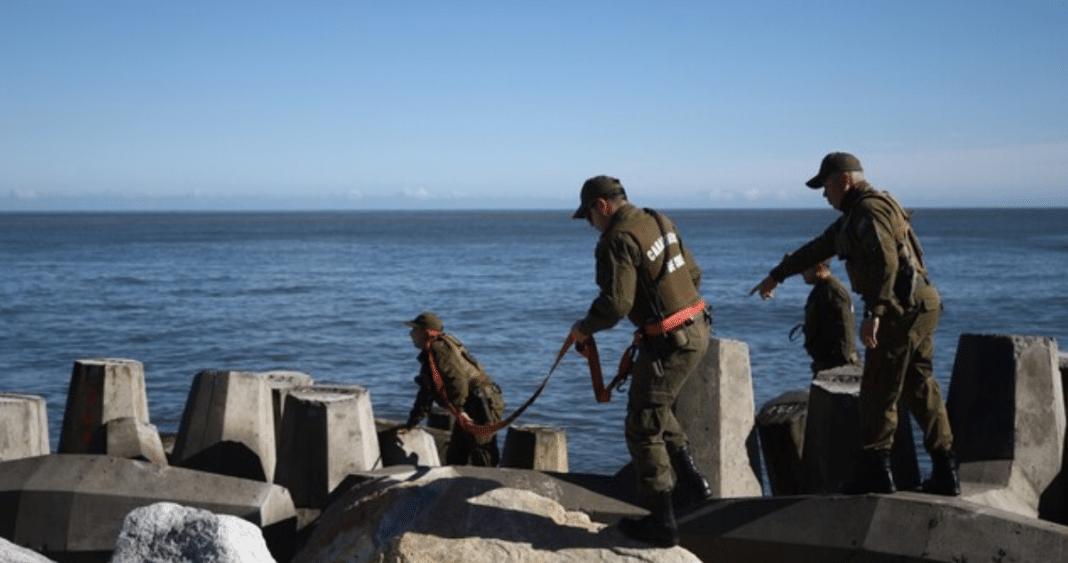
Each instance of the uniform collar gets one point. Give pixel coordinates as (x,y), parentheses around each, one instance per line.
(621,215)
(855,194)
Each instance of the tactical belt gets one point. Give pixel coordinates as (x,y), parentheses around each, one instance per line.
(464,421)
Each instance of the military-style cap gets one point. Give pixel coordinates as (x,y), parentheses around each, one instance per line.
(427,321)
(597,187)
(832,164)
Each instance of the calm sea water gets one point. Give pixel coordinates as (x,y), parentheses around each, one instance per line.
(325,293)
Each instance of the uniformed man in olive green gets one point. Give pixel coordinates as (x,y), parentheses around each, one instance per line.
(646,273)
(829,327)
(901,309)
(466,386)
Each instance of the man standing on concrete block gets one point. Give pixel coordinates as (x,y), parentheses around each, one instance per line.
(465,386)
(646,274)
(901,308)
(829,327)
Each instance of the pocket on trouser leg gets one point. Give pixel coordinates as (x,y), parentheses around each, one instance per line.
(644,433)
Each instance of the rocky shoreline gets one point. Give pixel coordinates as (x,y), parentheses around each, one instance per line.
(270,467)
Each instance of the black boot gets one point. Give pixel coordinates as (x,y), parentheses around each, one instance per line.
(659,527)
(695,486)
(945,479)
(873,475)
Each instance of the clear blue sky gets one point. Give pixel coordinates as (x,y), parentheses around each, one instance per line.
(512,104)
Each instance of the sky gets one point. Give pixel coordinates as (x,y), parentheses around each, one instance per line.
(261,105)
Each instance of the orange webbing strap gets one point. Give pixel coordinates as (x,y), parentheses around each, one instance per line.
(626,363)
(674,321)
(589,350)
(462,419)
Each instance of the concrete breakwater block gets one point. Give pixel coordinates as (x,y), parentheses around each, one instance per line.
(832,434)
(1006,407)
(228,426)
(70,505)
(535,447)
(903,527)
(413,447)
(328,432)
(781,424)
(716,409)
(23,426)
(280,382)
(133,439)
(101,390)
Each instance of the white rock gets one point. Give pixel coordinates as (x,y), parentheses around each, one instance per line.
(445,519)
(169,533)
(13,553)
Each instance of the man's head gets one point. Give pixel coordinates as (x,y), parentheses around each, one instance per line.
(820,271)
(839,172)
(422,325)
(599,199)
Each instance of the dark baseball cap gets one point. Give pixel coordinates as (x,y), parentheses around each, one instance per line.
(597,187)
(426,320)
(832,164)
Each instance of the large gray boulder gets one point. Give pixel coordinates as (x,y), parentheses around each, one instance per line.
(170,533)
(12,553)
(442,516)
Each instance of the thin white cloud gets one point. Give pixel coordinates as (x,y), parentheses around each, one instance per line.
(416,193)
(25,194)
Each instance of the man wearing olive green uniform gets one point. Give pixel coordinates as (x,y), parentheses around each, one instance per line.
(646,274)
(901,308)
(830,328)
(466,386)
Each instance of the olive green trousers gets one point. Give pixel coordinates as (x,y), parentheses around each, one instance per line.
(900,367)
(652,431)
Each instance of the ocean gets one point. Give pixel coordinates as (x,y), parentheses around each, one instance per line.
(326,293)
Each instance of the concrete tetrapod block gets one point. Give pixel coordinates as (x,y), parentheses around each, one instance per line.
(72,506)
(228,426)
(716,409)
(327,434)
(280,382)
(23,426)
(133,439)
(535,447)
(832,434)
(899,528)
(1006,407)
(781,423)
(101,390)
(412,447)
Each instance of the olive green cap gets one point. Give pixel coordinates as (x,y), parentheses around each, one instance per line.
(832,164)
(597,187)
(427,321)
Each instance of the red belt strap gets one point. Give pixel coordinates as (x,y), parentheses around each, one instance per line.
(675,320)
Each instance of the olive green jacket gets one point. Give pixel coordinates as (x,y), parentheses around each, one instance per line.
(876,242)
(461,375)
(630,256)
(830,327)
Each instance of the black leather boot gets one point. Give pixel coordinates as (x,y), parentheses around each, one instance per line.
(695,486)
(659,527)
(945,478)
(873,475)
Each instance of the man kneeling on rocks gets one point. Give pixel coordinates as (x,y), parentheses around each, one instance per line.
(465,385)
